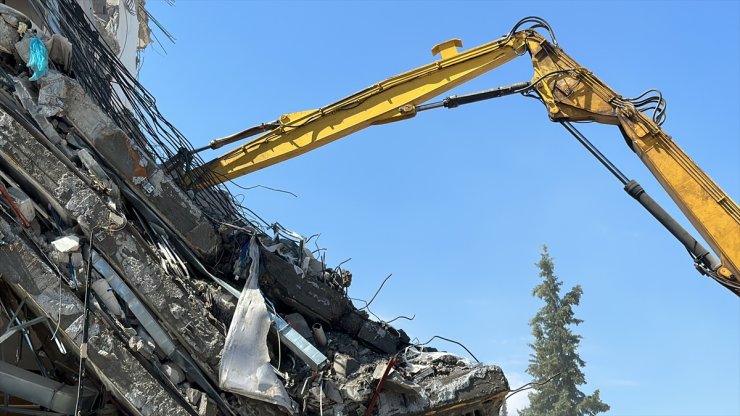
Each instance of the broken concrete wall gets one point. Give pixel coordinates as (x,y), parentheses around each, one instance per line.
(321,302)
(62,96)
(124,249)
(32,279)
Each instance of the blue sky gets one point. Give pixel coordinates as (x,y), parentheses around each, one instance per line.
(456,203)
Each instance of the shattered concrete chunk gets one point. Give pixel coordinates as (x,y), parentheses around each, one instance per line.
(486,382)
(332,392)
(193,395)
(357,390)
(66,244)
(344,365)
(173,372)
(298,322)
(10,41)
(207,407)
(374,334)
(125,249)
(12,20)
(60,51)
(142,346)
(380,370)
(23,202)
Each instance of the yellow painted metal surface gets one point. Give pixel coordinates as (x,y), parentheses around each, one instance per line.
(569,91)
(447,49)
(380,103)
(578,95)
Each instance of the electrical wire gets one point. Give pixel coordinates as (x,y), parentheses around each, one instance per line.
(530,385)
(85,323)
(249,188)
(130,106)
(452,341)
(411,318)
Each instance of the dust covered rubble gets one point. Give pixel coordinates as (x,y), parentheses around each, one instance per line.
(100,210)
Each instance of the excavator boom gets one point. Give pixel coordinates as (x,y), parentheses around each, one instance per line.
(570,93)
(393,99)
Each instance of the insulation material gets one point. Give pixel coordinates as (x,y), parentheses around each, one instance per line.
(245,366)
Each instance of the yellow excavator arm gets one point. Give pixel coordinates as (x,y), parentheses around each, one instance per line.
(575,94)
(393,99)
(570,93)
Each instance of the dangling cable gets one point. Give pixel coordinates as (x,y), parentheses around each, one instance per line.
(85,326)
(538,23)
(646,102)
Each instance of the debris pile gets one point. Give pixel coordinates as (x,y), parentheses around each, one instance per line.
(127,293)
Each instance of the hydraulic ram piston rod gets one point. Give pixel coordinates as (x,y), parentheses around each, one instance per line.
(703,258)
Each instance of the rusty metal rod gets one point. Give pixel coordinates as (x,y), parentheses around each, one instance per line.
(379,387)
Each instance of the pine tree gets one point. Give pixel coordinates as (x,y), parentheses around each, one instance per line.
(555,352)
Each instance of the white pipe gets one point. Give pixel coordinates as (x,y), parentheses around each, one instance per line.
(40,390)
(103,289)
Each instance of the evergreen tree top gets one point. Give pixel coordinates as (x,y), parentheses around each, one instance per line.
(555,351)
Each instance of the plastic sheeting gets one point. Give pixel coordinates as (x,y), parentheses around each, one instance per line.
(245,365)
(38,59)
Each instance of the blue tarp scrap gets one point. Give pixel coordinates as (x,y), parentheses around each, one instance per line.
(38,59)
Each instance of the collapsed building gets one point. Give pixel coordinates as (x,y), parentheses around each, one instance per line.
(124,292)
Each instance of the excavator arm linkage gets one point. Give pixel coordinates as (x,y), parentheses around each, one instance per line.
(575,94)
(569,92)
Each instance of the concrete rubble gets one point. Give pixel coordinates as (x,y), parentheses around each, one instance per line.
(170,300)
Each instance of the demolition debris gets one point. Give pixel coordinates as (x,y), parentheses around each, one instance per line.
(124,292)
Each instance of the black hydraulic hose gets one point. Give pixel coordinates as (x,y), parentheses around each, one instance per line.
(217,143)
